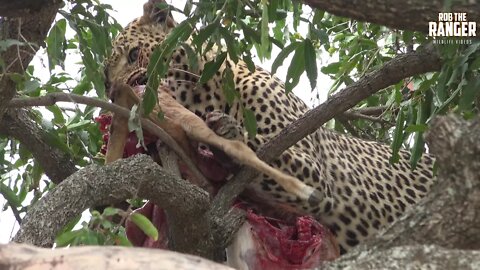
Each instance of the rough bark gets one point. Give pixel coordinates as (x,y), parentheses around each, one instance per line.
(98,185)
(28,27)
(454,204)
(20,8)
(14,256)
(57,165)
(138,176)
(28,21)
(421,61)
(405,15)
(410,257)
(447,221)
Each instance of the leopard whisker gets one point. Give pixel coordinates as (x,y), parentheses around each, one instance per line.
(185,71)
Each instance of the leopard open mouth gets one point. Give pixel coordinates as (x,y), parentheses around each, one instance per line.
(140,78)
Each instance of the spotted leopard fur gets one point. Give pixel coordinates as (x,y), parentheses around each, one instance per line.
(363,191)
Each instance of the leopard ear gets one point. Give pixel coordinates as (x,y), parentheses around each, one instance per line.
(154,12)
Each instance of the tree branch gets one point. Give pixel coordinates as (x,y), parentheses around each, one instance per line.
(56,164)
(418,62)
(409,257)
(351,115)
(29,27)
(52,98)
(450,215)
(371,111)
(20,8)
(448,218)
(96,185)
(14,256)
(137,176)
(404,15)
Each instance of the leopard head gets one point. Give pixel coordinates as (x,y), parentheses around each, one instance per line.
(132,48)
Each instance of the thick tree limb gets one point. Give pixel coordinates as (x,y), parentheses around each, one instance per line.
(96,185)
(138,176)
(418,62)
(14,256)
(53,98)
(31,28)
(410,257)
(405,15)
(449,217)
(56,164)
(20,8)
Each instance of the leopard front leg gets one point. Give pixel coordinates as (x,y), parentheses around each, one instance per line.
(224,125)
(293,161)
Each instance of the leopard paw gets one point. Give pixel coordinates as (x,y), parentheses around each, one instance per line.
(224,125)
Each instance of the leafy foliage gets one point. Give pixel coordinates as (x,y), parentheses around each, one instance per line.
(238,30)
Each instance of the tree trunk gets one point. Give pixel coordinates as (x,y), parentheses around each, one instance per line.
(405,15)
(447,221)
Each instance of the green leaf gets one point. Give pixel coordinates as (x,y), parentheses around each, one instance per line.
(188,7)
(82,87)
(296,68)
(9,195)
(250,34)
(407,36)
(231,44)
(297,11)
(250,122)
(416,128)
(332,68)
(53,139)
(272,8)
(24,153)
(469,93)
(158,66)
(311,63)
(397,137)
(162,5)
(212,67)
(78,125)
(320,34)
(70,225)
(441,92)
(417,150)
(279,30)
(204,34)
(398,96)
(31,86)
(192,56)
(229,86)
(100,39)
(123,241)
(283,54)
(145,225)
(423,113)
(248,60)
(110,211)
(264,44)
(150,98)
(57,114)
(66,238)
(56,44)
(92,70)
(318,16)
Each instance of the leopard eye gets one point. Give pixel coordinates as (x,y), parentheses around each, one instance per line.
(133,55)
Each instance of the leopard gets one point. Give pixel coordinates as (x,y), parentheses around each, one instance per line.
(363,192)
